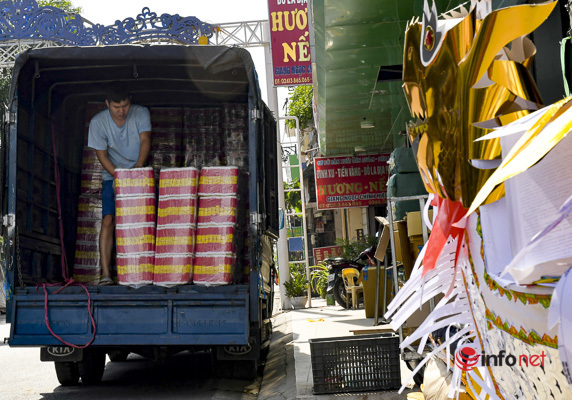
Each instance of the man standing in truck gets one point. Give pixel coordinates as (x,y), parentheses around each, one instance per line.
(121,138)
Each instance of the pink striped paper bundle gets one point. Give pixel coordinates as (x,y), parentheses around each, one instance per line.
(212,269)
(172,269)
(133,239)
(135,210)
(134,182)
(218,181)
(215,239)
(135,269)
(175,239)
(217,210)
(178,182)
(177,210)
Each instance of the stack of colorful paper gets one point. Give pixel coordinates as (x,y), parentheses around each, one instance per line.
(86,265)
(176,225)
(202,144)
(215,250)
(166,138)
(135,228)
(87,268)
(235,134)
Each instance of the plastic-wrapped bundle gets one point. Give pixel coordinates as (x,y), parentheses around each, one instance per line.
(203,128)
(235,114)
(172,269)
(89,208)
(166,118)
(175,239)
(215,239)
(160,160)
(135,238)
(88,230)
(166,148)
(89,161)
(217,210)
(177,210)
(135,269)
(218,181)
(87,268)
(213,269)
(91,173)
(135,207)
(135,210)
(235,134)
(134,182)
(179,182)
(176,223)
(91,183)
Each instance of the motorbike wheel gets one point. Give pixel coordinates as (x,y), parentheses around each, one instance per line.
(340,293)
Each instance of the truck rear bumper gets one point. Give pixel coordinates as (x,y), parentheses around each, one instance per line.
(151,315)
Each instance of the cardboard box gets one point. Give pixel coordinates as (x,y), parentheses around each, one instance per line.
(416,243)
(407,257)
(414,223)
(383,240)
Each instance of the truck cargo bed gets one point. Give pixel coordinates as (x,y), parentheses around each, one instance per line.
(151,315)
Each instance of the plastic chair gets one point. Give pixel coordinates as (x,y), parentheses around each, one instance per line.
(353,283)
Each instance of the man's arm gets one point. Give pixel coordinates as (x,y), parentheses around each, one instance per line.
(145,138)
(105,161)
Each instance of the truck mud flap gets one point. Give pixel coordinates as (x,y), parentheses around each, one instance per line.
(60,354)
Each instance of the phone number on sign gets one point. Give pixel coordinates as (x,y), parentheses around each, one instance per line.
(292,81)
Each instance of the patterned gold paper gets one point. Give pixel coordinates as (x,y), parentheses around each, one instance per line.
(457,73)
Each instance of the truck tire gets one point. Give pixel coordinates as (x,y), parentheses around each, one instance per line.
(118,355)
(67,373)
(340,293)
(92,366)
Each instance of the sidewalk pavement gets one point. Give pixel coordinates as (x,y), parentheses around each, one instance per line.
(288,370)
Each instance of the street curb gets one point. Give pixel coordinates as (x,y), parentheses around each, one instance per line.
(279,381)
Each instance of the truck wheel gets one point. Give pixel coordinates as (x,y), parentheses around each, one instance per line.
(92,366)
(236,369)
(67,373)
(340,293)
(118,355)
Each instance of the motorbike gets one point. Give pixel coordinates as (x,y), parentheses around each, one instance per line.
(335,267)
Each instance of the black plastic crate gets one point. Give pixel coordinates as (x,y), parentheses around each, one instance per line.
(355,363)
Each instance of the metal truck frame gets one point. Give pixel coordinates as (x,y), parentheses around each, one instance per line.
(50,90)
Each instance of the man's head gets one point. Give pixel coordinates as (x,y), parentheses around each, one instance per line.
(118,100)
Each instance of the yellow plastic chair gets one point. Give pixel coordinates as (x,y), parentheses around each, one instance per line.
(353,283)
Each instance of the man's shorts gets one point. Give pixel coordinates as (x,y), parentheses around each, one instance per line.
(108,198)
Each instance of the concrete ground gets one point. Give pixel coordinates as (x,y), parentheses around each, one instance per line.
(288,370)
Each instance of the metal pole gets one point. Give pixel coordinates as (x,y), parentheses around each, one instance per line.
(304,228)
(425,238)
(393,259)
(282,243)
(377,272)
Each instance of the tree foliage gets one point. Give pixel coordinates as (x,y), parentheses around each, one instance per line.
(299,104)
(293,199)
(64,5)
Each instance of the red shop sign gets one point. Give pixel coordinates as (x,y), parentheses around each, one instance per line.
(290,42)
(352,181)
(321,253)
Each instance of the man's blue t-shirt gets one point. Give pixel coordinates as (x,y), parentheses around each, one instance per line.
(122,143)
